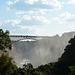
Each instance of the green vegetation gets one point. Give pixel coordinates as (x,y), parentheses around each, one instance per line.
(72,70)
(7,65)
(64,66)
(5,42)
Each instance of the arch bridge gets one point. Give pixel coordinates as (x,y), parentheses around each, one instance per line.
(26,37)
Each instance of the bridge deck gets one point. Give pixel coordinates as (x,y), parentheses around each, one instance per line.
(23,37)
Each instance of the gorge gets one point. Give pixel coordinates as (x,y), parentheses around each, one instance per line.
(41,51)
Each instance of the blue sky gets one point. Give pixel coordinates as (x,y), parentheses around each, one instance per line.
(37,17)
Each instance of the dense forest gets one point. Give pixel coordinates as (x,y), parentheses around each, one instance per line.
(64,66)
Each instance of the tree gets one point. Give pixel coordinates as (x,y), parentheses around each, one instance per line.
(19,71)
(28,68)
(7,65)
(67,59)
(37,73)
(72,69)
(5,42)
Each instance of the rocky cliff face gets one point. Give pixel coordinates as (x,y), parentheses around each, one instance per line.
(41,51)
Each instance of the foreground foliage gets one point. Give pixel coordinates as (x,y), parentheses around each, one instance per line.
(7,65)
(5,42)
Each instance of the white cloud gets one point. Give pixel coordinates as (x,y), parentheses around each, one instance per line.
(30,12)
(10,2)
(37,31)
(25,27)
(71,2)
(8,8)
(39,7)
(20,12)
(14,22)
(28,27)
(11,22)
(26,17)
(62,18)
(16,1)
(54,3)
(41,11)
(39,18)
(42,19)
(23,12)
(30,1)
